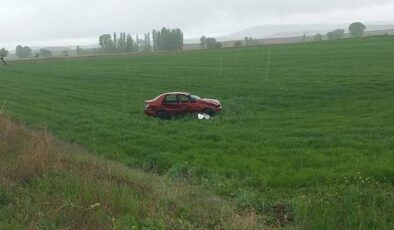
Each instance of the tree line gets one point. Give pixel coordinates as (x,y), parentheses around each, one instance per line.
(164,39)
(356,30)
(109,44)
(23,52)
(209,43)
(167,39)
(27,52)
(161,40)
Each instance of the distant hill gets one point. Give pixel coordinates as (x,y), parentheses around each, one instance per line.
(61,48)
(277,31)
(36,49)
(55,49)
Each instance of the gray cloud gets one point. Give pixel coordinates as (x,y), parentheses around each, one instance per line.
(36,21)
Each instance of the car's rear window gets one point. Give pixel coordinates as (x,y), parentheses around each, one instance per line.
(172,98)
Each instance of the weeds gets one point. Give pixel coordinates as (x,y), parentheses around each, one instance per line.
(48,184)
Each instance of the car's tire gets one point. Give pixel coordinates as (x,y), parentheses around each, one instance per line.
(210,112)
(162,115)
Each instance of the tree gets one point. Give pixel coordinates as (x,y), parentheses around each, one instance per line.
(168,39)
(218,45)
(45,53)
(115,41)
(23,52)
(129,43)
(18,51)
(106,43)
(3,54)
(357,29)
(203,42)
(249,41)
(146,43)
(137,43)
(79,50)
(154,32)
(212,43)
(336,34)
(120,45)
(318,37)
(27,51)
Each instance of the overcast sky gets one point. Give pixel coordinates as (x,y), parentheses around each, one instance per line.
(71,22)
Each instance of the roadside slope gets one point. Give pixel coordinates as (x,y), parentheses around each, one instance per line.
(48,184)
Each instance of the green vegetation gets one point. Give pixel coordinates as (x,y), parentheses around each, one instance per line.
(306,137)
(209,43)
(163,40)
(357,29)
(318,37)
(336,34)
(45,53)
(23,52)
(3,54)
(47,184)
(123,44)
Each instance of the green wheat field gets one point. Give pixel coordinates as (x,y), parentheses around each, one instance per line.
(307,129)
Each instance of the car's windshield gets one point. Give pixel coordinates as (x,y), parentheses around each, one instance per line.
(194,97)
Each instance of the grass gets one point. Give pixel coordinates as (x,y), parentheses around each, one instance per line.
(49,184)
(303,126)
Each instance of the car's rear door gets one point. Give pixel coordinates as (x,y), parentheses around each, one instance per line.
(172,105)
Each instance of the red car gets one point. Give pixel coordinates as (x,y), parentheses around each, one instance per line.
(176,103)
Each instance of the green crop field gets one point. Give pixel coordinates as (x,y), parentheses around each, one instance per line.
(306,137)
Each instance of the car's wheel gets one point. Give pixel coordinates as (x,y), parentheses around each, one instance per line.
(162,115)
(210,112)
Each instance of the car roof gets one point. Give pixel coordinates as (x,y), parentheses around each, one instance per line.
(184,93)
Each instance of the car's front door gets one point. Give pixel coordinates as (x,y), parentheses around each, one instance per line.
(188,104)
(172,105)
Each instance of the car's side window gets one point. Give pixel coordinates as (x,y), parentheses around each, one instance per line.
(184,98)
(171,99)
